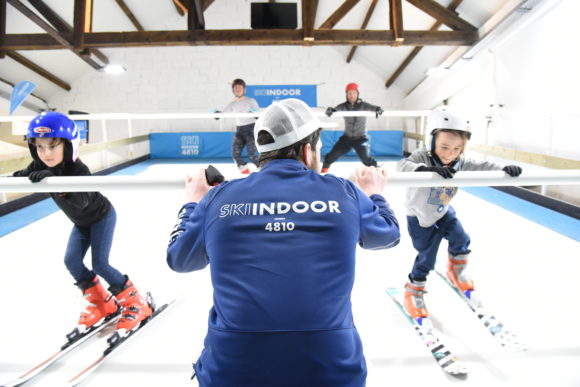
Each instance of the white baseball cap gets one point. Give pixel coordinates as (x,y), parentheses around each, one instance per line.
(288,121)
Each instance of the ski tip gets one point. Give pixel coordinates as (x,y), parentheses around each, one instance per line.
(392,291)
(458,370)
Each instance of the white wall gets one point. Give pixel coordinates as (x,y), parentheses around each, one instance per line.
(533,74)
(197,79)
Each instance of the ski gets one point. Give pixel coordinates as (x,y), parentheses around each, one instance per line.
(495,326)
(75,341)
(446,360)
(115,341)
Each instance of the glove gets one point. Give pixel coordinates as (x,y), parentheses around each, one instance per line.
(447,173)
(213,176)
(216,111)
(36,176)
(512,170)
(378,111)
(329,111)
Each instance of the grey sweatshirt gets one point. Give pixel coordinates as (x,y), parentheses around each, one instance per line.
(429,204)
(245,105)
(355,127)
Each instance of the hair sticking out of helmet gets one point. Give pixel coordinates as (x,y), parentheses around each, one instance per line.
(287,121)
(442,118)
(54,125)
(352,86)
(238,81)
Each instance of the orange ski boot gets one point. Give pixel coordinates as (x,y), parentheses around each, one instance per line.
(102,307)
(457,275)
(415,304)
(135,308)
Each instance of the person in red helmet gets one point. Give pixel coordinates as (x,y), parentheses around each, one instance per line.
(355,132)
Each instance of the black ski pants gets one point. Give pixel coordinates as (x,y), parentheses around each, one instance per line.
(344,144)
(244,137)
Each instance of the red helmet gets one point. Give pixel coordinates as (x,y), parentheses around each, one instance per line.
(352,86)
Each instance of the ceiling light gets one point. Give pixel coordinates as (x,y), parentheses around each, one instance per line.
(114,69)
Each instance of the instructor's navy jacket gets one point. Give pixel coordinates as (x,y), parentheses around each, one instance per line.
(281,247)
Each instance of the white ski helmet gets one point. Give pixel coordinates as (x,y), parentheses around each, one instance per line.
(443,118)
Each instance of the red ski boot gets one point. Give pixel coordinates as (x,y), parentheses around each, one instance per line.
(135,308)
(102,307)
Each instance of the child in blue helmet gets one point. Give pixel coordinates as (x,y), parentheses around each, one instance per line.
(430,218)
(53,140)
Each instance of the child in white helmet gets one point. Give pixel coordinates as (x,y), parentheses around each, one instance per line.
(430,218)
(355,133)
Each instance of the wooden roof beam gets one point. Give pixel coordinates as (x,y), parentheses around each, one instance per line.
(363,27)
(309,9)
(182,6)
(39,70)
(83,19)
(195,20)
(194,10)
(2,26)
(206,4)
(127,11)
(52,33)
(396,20)
(452,7)
(242,37)
(61,25)
(338,14)
(442,14)
(52,17)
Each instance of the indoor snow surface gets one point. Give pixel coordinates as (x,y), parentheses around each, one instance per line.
(525,272)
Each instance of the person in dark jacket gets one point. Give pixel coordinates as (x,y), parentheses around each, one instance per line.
(53,140)
(355,133)
(281,247)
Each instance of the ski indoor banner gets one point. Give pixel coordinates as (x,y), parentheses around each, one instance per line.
(266,94)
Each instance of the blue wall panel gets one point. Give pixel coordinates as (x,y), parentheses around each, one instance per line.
(209,145)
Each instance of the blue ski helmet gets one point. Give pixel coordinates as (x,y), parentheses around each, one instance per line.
(53,124)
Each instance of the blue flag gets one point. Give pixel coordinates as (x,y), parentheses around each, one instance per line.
(19,94)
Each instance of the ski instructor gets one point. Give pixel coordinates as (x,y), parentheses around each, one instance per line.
(281,247)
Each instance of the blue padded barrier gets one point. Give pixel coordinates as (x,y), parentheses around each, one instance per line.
(209,145)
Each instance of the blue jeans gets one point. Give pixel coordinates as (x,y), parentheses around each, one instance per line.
(426,241)
(99,237)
